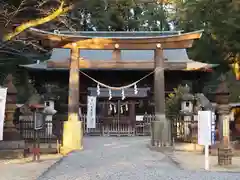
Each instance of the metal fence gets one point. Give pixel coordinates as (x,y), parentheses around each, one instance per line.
(181,130)
(46,135)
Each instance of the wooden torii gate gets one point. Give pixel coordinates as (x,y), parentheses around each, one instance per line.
(72,136)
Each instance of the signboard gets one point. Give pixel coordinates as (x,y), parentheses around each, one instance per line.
(213,127)
(3,95)
(139,118)
(206,132)
(225,125)
(91,111)
(38,121)
(204,127)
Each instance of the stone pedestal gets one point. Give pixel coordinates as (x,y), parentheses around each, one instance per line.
(72,136)
(224,156)
(12,149)
(12,145)
(157,132)
(10,132)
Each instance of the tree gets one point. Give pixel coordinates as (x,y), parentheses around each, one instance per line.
(220,21)
(219,43)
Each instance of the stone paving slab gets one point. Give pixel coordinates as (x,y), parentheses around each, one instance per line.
(25,169)
(195,161)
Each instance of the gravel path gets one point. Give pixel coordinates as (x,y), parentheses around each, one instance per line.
(23,169)
(126,158)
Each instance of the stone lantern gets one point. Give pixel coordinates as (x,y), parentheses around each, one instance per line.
(49,128)
(186,111)
(223,111)
(49,101)
(12,145)
(10,132)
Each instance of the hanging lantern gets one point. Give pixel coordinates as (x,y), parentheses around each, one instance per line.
(123,94)
(98,89)
(135,89)
(110,94)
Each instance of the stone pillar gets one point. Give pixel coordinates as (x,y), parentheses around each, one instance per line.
(223,111)
(12,145)
(161,127)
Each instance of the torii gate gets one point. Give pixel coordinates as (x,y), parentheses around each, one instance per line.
(72,136)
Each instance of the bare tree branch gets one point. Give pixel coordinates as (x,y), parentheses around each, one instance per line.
(36,22)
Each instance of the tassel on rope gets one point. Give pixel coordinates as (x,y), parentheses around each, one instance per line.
(123,94)
(110,94)
(98,89)
(135,89)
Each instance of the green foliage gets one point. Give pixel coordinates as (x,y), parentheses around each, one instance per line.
(173,102)
(220,43)
(220,21)
(124,15)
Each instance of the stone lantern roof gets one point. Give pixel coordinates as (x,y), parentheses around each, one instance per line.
(222,92)
(187,96)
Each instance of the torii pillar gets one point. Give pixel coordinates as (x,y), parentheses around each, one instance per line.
(161,127)
(72,130)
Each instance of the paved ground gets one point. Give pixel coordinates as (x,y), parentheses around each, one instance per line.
(123,159)
(24,169)
(186,161)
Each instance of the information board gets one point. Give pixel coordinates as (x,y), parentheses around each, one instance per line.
(3,94)
(91,111)
(38,121)
(205,127)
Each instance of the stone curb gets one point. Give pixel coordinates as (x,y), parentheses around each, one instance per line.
(54,165)
(29,159)
(168,152)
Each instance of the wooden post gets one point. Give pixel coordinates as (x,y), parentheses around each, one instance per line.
(73,96)
(160,127)
(72,133)
(116,55)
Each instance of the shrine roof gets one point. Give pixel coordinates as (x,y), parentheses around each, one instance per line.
(177,57)
(172,55)
(62,54)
